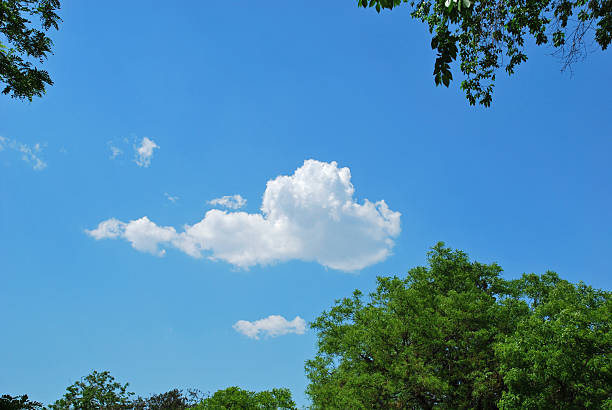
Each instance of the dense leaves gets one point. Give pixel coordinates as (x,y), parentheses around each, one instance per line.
(456,335)
(561,353)
(490,34)
(23,42)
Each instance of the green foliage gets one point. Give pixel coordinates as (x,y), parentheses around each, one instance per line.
(489,34)
(560,356)
(8,402)
(456,335)
(23,42)
(99,390)
(237,398)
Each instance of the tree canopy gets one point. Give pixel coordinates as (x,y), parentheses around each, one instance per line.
(24,42)
(457,335)
(98,390)
(490,34)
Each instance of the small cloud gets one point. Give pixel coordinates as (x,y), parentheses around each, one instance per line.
(229,201)
(111,228)
(170,197)
(144,152)
(28,154)
(115,152)
(271,326)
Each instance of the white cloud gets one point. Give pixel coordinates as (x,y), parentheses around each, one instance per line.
(28,154)
(144,152)
(229,201)
(271,326)
(171,198)
(143,234)
(310,215)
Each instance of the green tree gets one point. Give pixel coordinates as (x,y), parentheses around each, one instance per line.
(239,399)
(490,34)
(99,390)
(8,402)
(560,356)
(24,42)
(419,342)
(443,337)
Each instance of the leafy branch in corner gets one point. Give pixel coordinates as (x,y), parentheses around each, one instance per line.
(490,34)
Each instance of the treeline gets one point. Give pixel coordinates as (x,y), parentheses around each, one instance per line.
(450,335)
(99,390)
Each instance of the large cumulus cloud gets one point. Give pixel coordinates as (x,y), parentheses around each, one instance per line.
(311,215)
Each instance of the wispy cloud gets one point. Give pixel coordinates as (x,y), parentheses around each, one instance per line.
(115,151)
(311,215)
(170,197)
(229,201)
(29,154)
(271,326)
(144,152)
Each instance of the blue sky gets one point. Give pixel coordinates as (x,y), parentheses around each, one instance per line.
(234,96)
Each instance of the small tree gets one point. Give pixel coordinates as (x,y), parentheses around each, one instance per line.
(174,399)
(99,390)
(237,398)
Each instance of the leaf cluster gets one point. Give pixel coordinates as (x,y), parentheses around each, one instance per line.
(8,402)
(24,42)
(490,34)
